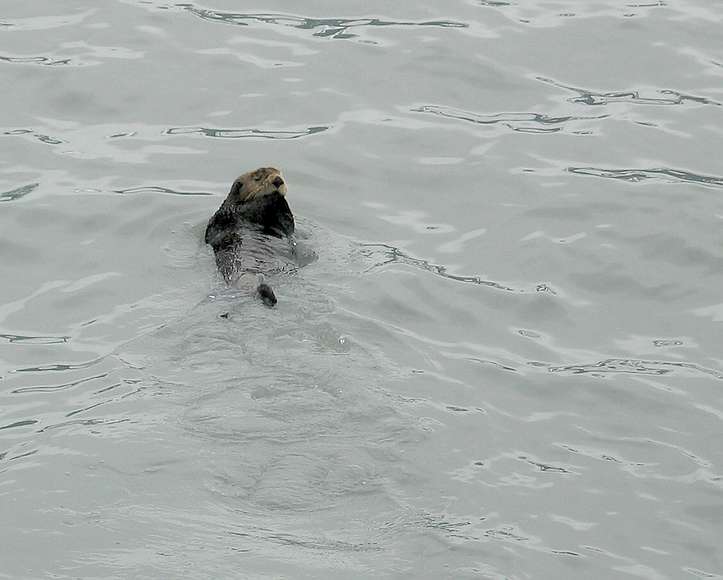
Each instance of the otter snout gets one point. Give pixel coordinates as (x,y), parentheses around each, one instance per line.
(278,182)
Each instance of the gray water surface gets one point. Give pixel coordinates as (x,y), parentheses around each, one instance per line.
(505,362)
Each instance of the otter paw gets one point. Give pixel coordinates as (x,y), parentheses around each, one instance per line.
(267,294)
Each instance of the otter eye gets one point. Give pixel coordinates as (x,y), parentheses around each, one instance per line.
(257,178)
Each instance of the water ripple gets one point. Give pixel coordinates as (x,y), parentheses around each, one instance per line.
(338,28)
(544,467)
(702,574)
(245,133)
(25,339)
(84,55)
(158,189)
(17,193)
(54,388)
(391,255)
(664,174)
(516,121)
(23,423)
(39,136)
(83,423)
(635,367)
(547,14)
(595,98)
(287,539)
(44,22)
(59,366)
(41,60)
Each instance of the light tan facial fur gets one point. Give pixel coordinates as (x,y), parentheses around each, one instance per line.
(257,183)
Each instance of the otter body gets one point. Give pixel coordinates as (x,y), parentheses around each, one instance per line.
(252,231)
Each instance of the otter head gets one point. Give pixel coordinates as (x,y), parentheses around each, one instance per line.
(256,184)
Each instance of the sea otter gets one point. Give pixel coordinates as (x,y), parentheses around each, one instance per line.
(252,231)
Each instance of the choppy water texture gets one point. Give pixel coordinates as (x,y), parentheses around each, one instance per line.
(506,361)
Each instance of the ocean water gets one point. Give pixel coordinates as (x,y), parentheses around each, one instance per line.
(505,361)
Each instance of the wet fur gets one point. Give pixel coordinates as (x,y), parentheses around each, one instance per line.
(245,231)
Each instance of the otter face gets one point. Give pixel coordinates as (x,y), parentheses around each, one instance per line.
(257,183)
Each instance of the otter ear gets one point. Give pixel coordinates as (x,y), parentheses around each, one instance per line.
(236,188)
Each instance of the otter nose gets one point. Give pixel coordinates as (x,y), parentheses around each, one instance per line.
(278,182)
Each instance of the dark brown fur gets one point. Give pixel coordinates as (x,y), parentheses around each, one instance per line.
(245,231)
